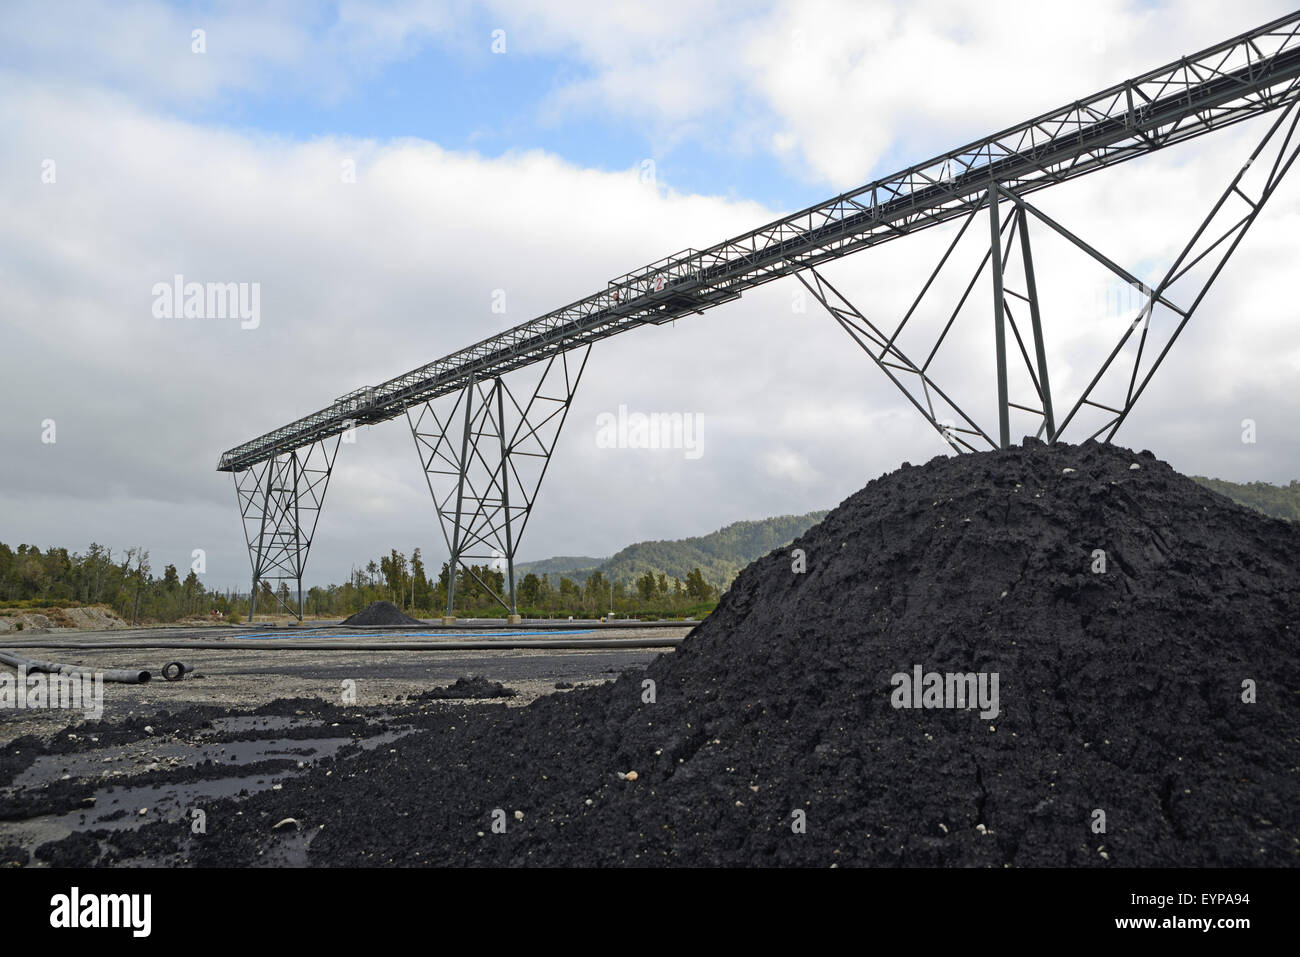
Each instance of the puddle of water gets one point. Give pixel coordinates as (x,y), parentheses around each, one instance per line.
(261,722)
(398,634)
(129,760)
(168,801)
(91,764)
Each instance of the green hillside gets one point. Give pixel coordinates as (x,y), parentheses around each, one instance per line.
(563,565)
(719,555)
(1280,501)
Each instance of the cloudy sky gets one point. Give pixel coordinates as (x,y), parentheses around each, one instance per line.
(500,155)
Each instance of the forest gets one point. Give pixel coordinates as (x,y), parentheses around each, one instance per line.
(126,581)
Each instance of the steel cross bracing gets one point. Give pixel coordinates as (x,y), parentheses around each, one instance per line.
(1163,313)
(1232,81)
(279,503)
(485,458)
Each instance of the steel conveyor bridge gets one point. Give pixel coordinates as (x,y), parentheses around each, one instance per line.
(485,457)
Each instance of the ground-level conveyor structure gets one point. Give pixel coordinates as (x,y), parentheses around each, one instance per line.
(485,448)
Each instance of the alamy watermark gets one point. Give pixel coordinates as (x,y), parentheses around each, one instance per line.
(1116,298)
(653,430)
(79,691)
(179,299)
(74,910)
(932,689)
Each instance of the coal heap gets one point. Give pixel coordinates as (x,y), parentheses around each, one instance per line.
(771,737)
(475,686)
(381,613)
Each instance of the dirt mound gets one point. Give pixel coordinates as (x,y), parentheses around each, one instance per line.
(45,620)
(1125,611)
(381,613)
(465,688)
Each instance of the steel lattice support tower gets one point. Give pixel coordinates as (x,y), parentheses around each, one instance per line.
(1156,324)
(484,459)
(279,505)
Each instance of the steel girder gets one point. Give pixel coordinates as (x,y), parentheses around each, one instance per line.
(1158,322)
(484,459)
(1234,80)
(280,502)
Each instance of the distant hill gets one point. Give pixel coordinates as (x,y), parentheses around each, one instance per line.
(564,565)
(719,555)
(1280,501)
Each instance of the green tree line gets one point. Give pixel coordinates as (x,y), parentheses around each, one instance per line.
(126,582)
(406,583)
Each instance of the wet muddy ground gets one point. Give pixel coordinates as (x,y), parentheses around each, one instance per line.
(242,722)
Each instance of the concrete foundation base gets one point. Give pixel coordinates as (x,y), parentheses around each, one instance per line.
(514,619)
(448,620)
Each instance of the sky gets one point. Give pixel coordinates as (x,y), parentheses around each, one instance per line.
(399,180)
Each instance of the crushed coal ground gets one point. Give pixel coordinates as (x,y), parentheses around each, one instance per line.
(13,856)
(770,736)
(380,613)
(466,688)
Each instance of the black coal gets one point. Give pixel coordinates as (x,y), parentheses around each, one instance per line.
(771,736)
(466,688)
(379,613)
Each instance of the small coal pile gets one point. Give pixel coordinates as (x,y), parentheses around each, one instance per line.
(381,613)
(467,688)
(1141,630)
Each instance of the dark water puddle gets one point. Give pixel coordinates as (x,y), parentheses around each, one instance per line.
(117,806)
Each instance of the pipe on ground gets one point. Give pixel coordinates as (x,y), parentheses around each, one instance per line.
(176,670)
(385,644)
(129,676)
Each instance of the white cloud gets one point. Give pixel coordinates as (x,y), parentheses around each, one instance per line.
(851,85)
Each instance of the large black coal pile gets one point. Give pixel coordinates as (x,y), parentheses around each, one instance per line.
(1120,700)
(381,613)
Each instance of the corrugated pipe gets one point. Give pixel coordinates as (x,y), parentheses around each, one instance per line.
(176,670)
(129,676)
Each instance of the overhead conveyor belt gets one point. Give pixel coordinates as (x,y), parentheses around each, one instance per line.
(485,457)
(1232,81)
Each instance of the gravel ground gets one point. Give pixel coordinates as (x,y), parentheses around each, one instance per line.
(243,722)
(247,678)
